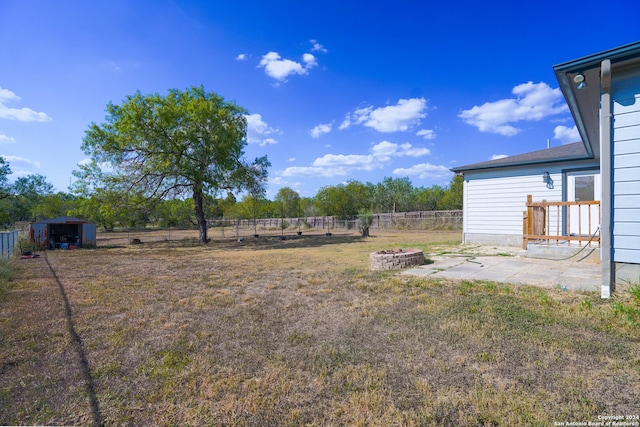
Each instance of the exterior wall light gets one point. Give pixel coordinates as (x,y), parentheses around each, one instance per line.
(580,81)
(546,177)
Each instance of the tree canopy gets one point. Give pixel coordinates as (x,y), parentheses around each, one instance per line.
(184,143)
(289,200)
(28,198)
(31,197)
(5,171)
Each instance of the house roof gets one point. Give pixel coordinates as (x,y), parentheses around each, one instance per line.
(574,151)
(585,103)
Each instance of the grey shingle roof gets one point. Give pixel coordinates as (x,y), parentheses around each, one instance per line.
(574,151)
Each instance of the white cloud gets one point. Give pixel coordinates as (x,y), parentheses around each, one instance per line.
(317,47)
(498,156)
(7,95)
(566,135)
(4,139)
(242,57)
(17,162)
(393,118)
(358,117)
(276,180)
(343,164)
(21,114)
(426,133)
(291,159)
(424,170)
(15,174)
(532,102)
(385,150)
(268,141)
(320,130)
(357,161)
(257,131)
(278,68)
(331,165)
(309,60)
(281,182)
(314,171)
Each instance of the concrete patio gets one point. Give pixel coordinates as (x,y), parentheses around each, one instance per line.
(510,265)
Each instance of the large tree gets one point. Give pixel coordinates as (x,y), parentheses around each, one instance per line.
(184,143)
(452,198)
(342,200)
(289,201)
(393,195)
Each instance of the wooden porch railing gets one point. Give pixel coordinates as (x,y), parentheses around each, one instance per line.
(540,218)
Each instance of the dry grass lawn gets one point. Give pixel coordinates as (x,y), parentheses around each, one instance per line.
(301,332)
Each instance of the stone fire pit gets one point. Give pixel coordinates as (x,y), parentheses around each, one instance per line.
(396,259)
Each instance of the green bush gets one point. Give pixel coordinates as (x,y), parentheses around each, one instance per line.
(365,220)
(25,245)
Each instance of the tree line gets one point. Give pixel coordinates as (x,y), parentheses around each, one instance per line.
(178,160)
(32,198)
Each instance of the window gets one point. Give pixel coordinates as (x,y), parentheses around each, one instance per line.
(584,188)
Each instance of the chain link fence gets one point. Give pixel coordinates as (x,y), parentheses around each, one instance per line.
(264,227)
(423,220)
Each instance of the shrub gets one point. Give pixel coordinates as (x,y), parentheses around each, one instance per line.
(365,220)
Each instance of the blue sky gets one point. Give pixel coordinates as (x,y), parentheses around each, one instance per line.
(335,90)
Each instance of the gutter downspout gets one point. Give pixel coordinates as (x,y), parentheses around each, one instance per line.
(607,277)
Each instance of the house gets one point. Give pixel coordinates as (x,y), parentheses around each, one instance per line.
(64,232)
(495,191)
(603,94)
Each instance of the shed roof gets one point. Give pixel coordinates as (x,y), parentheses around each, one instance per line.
(63,220)
(574,151)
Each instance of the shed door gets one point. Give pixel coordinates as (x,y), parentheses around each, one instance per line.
(88,234)
(583,186)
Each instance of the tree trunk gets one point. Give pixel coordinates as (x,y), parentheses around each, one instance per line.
(198,201)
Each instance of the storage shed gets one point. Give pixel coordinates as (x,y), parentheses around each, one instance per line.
(64,232)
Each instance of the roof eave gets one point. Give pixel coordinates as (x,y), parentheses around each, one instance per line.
(522,163)
(585,103)
(588,139)
(618,54)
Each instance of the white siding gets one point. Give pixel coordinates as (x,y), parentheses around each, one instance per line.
(626,168)
(496,200)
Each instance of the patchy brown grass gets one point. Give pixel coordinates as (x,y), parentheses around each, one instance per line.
(301,332)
